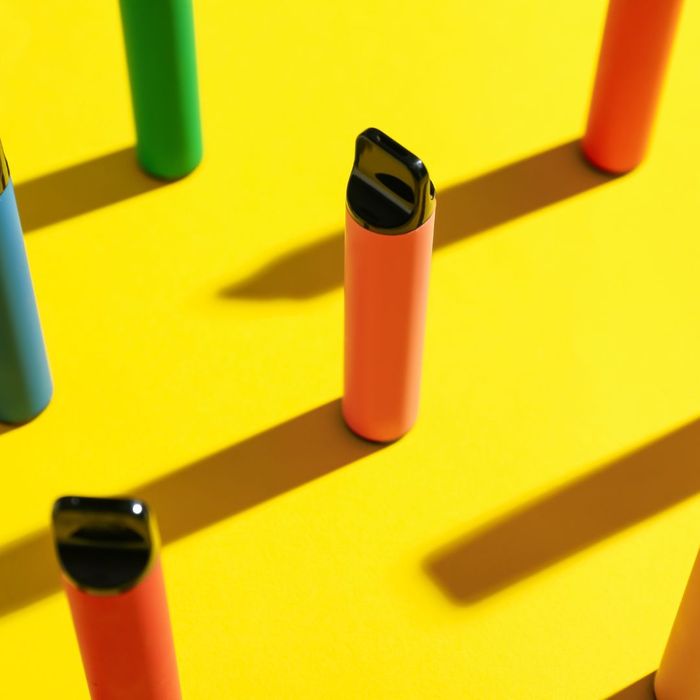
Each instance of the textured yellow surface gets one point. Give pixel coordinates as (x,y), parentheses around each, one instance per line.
(532,536)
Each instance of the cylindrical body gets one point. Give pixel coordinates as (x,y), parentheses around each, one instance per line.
(25,381)
(678,677)
(160,51)
(386,294)
(388,245)
(108,551)
(633,59)
(126,642)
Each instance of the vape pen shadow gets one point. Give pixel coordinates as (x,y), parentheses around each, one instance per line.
(463,210)
(202,493)
(579,514)
(81,188)
(253,471)
(643,689)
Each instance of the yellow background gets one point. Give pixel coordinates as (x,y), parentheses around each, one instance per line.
(514,544)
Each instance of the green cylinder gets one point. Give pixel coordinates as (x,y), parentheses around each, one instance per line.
(160,53)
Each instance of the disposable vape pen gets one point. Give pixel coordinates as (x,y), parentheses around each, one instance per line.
(678,677)
(109,554)
(25,381)
(633,58)
(388,246)
(160,53)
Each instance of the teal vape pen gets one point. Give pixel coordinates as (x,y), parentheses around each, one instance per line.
(25,381)
(161,57)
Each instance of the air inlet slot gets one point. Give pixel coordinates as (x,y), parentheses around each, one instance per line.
(397,186)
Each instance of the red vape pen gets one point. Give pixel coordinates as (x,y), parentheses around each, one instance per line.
(109,554)
(388,246)
(636,46)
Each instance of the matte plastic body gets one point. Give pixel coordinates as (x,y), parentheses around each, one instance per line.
(160,52)
(126,642)
(386,294)
(633,59)
(678,677)
(25,380)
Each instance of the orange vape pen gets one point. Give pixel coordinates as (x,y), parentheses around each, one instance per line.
(109,554)
(388,246)
(633,58)
(678,676)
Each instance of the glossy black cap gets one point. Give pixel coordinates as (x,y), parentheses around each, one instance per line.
(389,190)
(104,545)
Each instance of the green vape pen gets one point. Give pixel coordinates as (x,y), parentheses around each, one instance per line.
(160,52)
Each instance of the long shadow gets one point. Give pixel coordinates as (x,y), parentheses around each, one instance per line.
(643,689)
(81,188)
(570,519)
(205,492)
(463,210)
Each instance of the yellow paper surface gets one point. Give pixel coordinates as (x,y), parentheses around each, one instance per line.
(531,537)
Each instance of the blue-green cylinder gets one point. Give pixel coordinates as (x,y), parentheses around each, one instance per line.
(25,380)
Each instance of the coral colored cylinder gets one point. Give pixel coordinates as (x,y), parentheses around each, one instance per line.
(678,677)
(108,550)
(633,58)
(386,293)
(126,642)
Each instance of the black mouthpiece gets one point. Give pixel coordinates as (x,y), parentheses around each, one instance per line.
(389,189)
(104,545)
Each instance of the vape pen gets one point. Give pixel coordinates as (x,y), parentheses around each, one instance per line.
(388,245)
(25,381)
(160,53)
(678,676)
(636,47)
(109,555)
